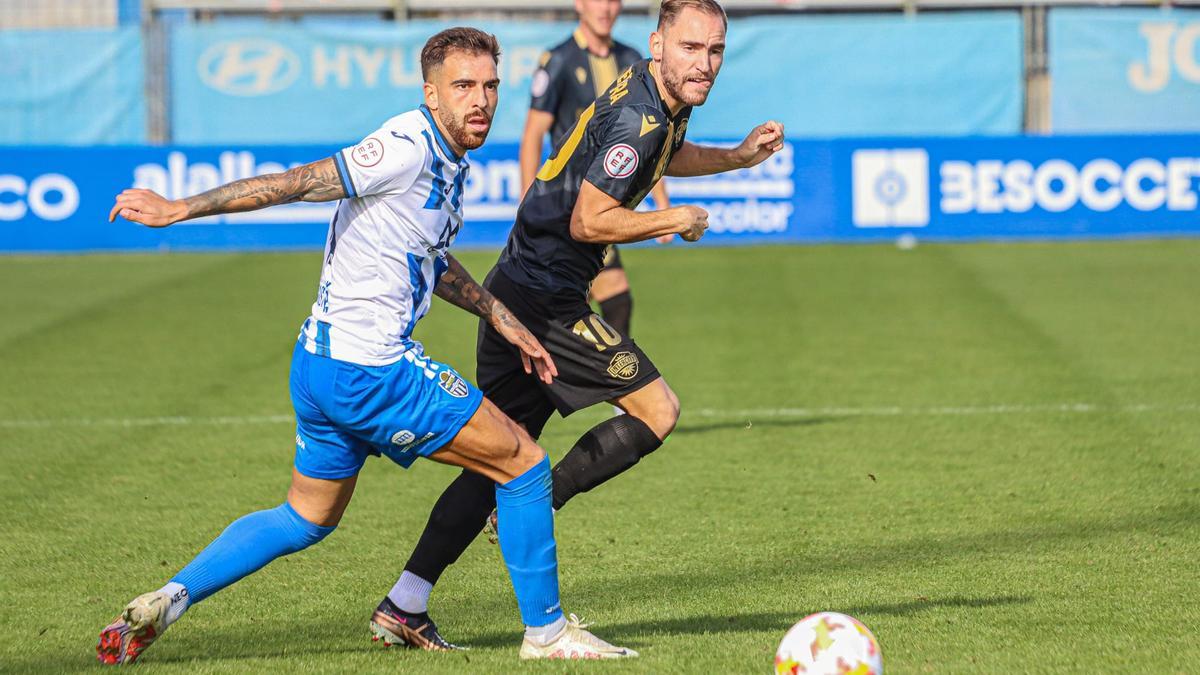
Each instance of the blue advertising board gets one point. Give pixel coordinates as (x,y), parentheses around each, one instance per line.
(58,199)
(323,81)
(1125,70)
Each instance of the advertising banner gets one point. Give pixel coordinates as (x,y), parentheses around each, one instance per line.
(58,199)
(1125,70)
(323,81)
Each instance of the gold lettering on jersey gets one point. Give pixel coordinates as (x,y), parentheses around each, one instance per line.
(624,365)
(620,87)
(557,163)
(649,123)
(681,131)
(581,75)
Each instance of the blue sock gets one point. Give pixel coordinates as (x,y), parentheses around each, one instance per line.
(248,544)
(527,543)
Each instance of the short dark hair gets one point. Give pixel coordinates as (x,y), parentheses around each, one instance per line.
(461,38)
(671,9)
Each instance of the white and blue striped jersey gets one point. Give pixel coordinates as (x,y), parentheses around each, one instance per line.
(387,241)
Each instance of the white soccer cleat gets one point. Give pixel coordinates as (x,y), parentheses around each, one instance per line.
(131,633)
(574,643)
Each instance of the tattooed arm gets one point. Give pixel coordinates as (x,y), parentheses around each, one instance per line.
(458,288)
(315,182)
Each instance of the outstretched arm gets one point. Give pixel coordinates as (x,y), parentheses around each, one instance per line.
(458,288)
(701,160)
(315,182)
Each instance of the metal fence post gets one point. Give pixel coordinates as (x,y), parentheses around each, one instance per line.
(1037,72)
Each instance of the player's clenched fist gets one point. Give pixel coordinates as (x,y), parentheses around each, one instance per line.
(695,223)
(763,141)
(146,207)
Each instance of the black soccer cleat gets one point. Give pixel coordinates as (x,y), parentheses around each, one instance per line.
(393,626)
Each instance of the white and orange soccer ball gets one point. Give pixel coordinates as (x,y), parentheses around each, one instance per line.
(828,643)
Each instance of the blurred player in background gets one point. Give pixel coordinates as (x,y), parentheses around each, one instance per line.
(571,76)
(360,384)
(582,201)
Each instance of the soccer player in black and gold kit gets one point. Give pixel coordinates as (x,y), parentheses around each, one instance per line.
(580,204)
(570,76)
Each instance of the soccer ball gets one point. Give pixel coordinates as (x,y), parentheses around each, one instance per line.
(826,643)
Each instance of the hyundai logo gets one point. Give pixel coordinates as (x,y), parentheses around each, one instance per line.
(252,67)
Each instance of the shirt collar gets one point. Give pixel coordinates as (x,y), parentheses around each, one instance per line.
(582,42)
(437,133)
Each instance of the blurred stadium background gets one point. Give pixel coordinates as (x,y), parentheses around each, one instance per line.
(946,119)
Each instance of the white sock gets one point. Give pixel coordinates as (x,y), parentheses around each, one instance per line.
(542,635)
(411,593)
(179,602)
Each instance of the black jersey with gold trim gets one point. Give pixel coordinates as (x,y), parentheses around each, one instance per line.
(622,144)
(570,77)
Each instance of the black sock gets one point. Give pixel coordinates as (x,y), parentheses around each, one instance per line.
(617,311)
(453,524)
(608,449)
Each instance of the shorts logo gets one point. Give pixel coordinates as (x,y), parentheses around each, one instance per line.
(407,440)
(300,443)
(368,153)
(620,161)
(624,365)
(453,384)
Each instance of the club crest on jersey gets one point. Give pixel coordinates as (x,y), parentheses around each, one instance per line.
(368,153)
(624,365)
(453,384)
(541,82)
(620,161)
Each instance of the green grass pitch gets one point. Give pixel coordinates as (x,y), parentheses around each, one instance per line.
(988,453)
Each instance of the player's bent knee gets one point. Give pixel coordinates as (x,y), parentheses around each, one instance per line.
(523,452)
(529,454)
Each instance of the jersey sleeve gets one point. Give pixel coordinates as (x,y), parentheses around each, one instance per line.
(634,136)
(546,89)
(387,161)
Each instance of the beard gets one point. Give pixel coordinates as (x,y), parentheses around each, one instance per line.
(465,138)
(675,84)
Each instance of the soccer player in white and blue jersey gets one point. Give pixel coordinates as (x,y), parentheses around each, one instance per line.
(360,384)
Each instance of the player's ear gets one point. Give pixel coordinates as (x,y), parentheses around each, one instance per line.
(431,98)
(656,45)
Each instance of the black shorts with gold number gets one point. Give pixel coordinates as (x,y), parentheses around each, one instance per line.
(595,363)
(612,259)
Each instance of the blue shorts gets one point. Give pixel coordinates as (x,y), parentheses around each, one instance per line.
(345,411)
